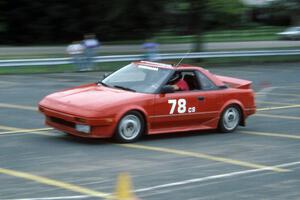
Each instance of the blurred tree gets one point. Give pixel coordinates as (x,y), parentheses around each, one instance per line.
(279,12)
(193,17)
(274,13)
(197,23)
(41,21)
(135,19)
(224,13)
(2,17)
(48,21)
(59,21)
(292,8)
(187,17)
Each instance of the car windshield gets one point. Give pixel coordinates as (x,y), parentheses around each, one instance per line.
(138,77)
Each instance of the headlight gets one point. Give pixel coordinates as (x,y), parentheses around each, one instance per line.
(83,128)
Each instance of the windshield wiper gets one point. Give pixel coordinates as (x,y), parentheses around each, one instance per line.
(124,88)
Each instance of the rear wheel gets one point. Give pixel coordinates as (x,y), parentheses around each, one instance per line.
(130,127)
(230,119)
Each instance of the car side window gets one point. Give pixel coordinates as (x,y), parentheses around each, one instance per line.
(184,81)
(191,79)
(206,83)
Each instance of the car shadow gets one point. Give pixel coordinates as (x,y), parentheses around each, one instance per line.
(179,135)
(67,138)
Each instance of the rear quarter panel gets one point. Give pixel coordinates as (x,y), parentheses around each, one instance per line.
(242,97)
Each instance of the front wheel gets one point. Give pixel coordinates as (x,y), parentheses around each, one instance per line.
(230,119)
(130,127)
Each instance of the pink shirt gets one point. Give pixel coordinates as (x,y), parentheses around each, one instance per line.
(182,85)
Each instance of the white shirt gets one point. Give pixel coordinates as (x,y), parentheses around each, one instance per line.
(75,49)
(91,43)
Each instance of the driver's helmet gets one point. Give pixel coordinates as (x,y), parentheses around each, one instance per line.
(176,77)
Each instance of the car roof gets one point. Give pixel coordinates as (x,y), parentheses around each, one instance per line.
(154,64)
(210,75)
(167,66)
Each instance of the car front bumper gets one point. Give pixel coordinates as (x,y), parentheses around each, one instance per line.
(98,127)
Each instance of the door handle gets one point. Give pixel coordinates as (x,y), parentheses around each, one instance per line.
(201,98)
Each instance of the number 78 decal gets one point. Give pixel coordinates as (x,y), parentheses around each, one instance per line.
(181,108)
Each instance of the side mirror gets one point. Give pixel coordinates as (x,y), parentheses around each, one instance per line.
(167,89)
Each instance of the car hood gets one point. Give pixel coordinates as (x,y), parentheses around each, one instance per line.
(88,98)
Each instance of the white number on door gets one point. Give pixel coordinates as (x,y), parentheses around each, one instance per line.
(181,105)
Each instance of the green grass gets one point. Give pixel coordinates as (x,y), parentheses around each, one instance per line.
(256,33)
(250,60)
(253,34)
(250,34)
(262,33)
(58,55)
(31,56)
(36,69)
(112,66)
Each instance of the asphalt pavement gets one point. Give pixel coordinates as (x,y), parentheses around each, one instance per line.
(259,161)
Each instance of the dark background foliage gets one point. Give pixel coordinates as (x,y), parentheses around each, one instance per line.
(61,21)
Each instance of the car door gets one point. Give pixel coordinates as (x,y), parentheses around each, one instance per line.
(186,109)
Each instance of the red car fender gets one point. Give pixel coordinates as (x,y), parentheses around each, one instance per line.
(127,109)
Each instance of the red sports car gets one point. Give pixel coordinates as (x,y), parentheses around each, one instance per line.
(150,98)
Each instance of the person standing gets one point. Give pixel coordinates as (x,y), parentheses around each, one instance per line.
(91,44)
(75,50)
(151,51)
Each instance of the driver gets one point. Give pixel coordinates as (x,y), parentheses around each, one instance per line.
(178,83)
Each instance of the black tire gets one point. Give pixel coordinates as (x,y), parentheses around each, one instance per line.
(230,119)
(130,127)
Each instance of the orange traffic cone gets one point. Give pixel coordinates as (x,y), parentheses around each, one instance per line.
(124,188)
